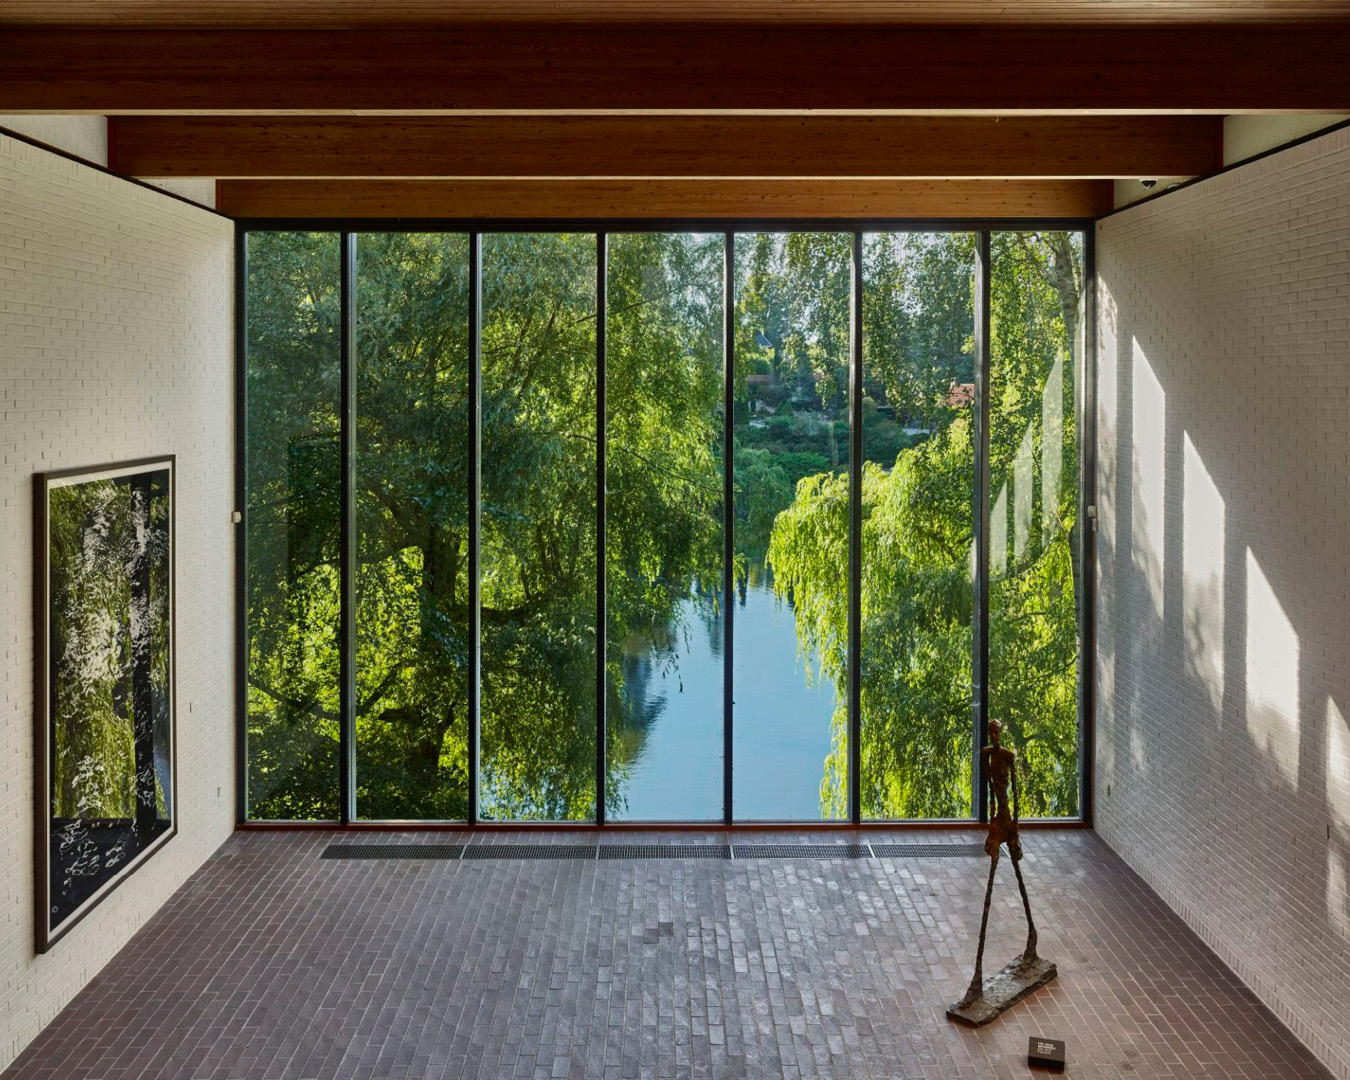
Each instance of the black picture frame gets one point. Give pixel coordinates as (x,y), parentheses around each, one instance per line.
(49,929)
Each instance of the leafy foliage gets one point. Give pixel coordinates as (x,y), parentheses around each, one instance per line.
(293,465)
(665,518)
(1033,625)
(917,540)
(412,459)
(106,637)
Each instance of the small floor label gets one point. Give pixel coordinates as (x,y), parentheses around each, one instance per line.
(1046,1053)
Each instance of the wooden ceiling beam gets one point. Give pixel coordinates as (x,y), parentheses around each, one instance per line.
(1178,68)
(428,14)
(655,199)
(659,146)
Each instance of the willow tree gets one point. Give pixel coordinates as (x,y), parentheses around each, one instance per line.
(539,625)
(917,538)
(538,614)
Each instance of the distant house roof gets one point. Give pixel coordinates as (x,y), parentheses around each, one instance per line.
(758,380)
(960,395)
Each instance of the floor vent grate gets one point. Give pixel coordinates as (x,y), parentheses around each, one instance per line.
(530,851)
(651,851)
(665,851)
(392,851)
(928,851)
(801,851)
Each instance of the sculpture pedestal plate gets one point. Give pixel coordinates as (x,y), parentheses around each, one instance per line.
(1001,992)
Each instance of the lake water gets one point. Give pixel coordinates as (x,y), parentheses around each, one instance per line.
(782,724)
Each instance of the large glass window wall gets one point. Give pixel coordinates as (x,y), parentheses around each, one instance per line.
(656,525)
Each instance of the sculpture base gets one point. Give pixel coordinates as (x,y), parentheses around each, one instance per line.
(1003,991)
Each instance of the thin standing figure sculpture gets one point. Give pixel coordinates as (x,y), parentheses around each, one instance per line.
(984,1001)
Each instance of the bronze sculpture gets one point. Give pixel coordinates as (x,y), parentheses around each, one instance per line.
(985,1000)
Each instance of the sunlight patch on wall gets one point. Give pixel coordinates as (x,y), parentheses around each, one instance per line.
(1150,478)
(1338,891)
(1139,750)
(1106,364)
(1107,423)
(1106,716)
(1272,674)
(1338,806)
(1202,546)
(1338,768)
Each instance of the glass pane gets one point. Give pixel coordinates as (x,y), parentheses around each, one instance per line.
(918,489)
(791,525)
(293,375)
(412,520)
(1036,291)
(663,392)
(538,527)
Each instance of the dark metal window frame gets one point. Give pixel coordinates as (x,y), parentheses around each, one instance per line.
(1085,403)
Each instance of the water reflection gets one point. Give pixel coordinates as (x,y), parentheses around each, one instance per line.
(673,680)
(783,713)
(673,711)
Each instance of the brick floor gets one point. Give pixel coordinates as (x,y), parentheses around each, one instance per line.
(272,963)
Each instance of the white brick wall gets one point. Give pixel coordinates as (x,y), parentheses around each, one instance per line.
(1223,751)
(84,136)
(115,342)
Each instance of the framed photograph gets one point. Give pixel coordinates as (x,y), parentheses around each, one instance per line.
(105,740)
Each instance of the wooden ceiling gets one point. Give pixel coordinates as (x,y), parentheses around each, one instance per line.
(667,108)
(389,14)
(813,199)
(1293,68)
(595,147)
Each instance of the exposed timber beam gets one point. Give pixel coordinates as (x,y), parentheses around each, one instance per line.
(1179,68)
(427,14)
(647,199)
(666,146)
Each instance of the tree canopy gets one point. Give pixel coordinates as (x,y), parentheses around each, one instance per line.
(664,520)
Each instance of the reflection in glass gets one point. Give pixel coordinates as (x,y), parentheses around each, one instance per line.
(538,537)
(791,525)
(663,395)
(293,378)
(1036,316)
(412,520)
(918,478)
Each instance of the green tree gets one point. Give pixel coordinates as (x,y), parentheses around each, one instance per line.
(917,602)
(412,456)
(1033,626)
(664,505)
(538,519)
(664,387)
(293,467)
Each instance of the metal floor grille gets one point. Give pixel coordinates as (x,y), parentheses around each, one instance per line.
(392,851)
(530,851)
(928,851)
(801,851)
(445,852)
(665,851)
